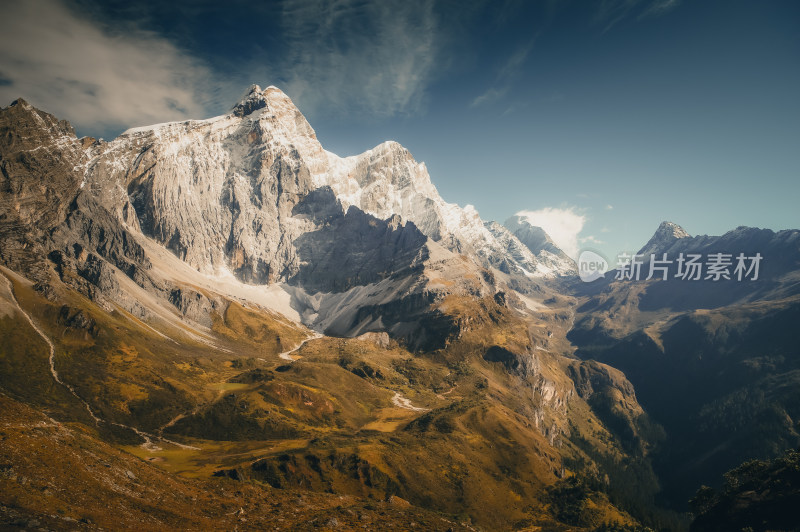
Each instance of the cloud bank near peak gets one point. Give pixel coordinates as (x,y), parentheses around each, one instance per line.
(562,225)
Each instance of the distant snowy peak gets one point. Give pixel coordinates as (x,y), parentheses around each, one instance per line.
(550,260)
(665,236)
(672,230)
(542,263)
(535,238)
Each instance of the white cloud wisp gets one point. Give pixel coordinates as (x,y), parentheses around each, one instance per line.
(563,226)
(347,56)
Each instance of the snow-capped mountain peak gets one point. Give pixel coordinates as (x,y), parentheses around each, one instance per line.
(252,194)
(534,237)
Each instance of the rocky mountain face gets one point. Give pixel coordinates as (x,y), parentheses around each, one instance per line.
(40,173)
(664,238)
(229,186)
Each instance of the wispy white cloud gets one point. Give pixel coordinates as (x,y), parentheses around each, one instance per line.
(375,58)
(505,76)
(99,78)
(562,224)
(610,12)
(591,239)
(658,8)
(492,94)
(609,207)
(516,60)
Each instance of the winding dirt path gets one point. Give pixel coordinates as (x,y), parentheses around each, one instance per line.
(287,355)
(448,392)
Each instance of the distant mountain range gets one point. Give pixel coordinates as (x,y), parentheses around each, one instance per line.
(239,302)
(714,361)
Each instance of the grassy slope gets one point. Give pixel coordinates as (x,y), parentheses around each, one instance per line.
(63,477)
(486,449)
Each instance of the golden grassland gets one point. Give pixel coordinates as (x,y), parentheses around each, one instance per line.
(482,444)
(62,476)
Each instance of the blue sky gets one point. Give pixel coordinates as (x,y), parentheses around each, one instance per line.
(604,117)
